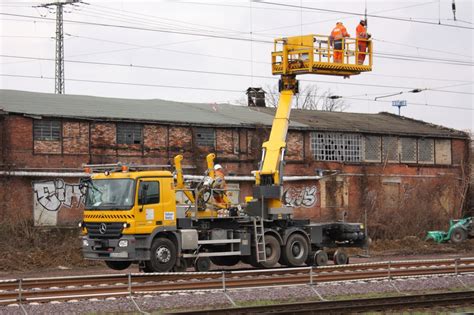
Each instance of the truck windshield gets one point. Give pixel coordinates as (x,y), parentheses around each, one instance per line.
(110,194)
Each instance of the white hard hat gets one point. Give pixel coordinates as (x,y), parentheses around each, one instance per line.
(217,167)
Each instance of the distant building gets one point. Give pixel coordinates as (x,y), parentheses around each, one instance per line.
(380,165)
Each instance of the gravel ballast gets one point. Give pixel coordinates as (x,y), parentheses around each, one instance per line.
(201,300)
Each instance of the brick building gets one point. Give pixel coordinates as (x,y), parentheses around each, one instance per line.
(396,171)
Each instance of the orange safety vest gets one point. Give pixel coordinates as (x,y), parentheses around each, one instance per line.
(339,32)
(361,31)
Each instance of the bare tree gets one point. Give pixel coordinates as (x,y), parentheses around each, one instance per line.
(309,97)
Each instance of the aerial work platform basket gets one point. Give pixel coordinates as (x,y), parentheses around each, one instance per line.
(315,54)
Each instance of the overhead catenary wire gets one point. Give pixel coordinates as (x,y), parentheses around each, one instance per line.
(161,45)
(405,58)
(358,14)
(230,73)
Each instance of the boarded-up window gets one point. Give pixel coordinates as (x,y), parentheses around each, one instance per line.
(443,151)
(391,195)
(372,148)
(390,149)
(236,141)
(129,134)
(342,147)
(408,150)
(334,194)
(426,151)
(47,130)
(206,137)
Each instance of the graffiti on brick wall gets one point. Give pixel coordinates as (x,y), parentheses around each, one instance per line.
(300,196)
(54,194)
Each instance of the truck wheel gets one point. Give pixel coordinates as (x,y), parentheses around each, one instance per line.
(162,255)
(225,260)
(458,235)
(320,258)
(118,265)
(340,258)
(202,264)
(272,252)
(295,251)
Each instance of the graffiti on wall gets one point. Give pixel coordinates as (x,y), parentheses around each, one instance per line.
(54,194)
(300,196)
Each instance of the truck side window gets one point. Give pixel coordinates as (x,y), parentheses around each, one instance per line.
(151,190)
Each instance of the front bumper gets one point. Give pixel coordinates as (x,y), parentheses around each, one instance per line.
(108,249)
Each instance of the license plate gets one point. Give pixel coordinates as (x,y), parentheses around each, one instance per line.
(119,255)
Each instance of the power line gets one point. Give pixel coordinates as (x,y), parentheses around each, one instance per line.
(406,58)
(200,88)
(233,74)
(216,56)
(411,103)
(369,15)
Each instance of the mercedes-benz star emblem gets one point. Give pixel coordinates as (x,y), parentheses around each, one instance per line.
(102,228)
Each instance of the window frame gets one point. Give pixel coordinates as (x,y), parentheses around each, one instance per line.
(51,137)
(131,126)
(199,130)
(341,142)
(147,182)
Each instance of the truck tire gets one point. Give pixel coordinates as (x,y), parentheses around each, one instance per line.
(225,260)
(340,258)
(272,252)
(458,235)
(162,255)
(118,265)
(296,250)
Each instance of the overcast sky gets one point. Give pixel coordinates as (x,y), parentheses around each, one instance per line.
(212,51)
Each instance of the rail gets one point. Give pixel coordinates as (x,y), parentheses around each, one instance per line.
(66,288)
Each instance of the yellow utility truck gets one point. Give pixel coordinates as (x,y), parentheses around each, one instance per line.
(132,214)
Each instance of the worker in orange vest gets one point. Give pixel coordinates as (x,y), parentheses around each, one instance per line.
(362,37)
(337,36)
(219,185)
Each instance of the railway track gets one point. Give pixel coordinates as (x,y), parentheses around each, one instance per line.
(393,303)
(82,287)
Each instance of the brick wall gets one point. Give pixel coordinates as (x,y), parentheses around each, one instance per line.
(358,187)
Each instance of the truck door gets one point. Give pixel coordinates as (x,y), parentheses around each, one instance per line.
(150,208)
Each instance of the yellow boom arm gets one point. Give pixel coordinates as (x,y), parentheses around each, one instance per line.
(180,178)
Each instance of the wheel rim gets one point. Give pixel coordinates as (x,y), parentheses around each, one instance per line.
(268,250)
(297,250)
(163,254)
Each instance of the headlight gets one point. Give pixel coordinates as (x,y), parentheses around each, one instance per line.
(85,243)
(126,225)
(123,243)
(361,226)
(80,225)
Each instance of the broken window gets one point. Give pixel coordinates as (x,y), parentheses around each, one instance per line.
(372,148)
(426,151)
(389,149)
(47,130)
(206,137)
(341,147)
(408,150)
(129,133)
